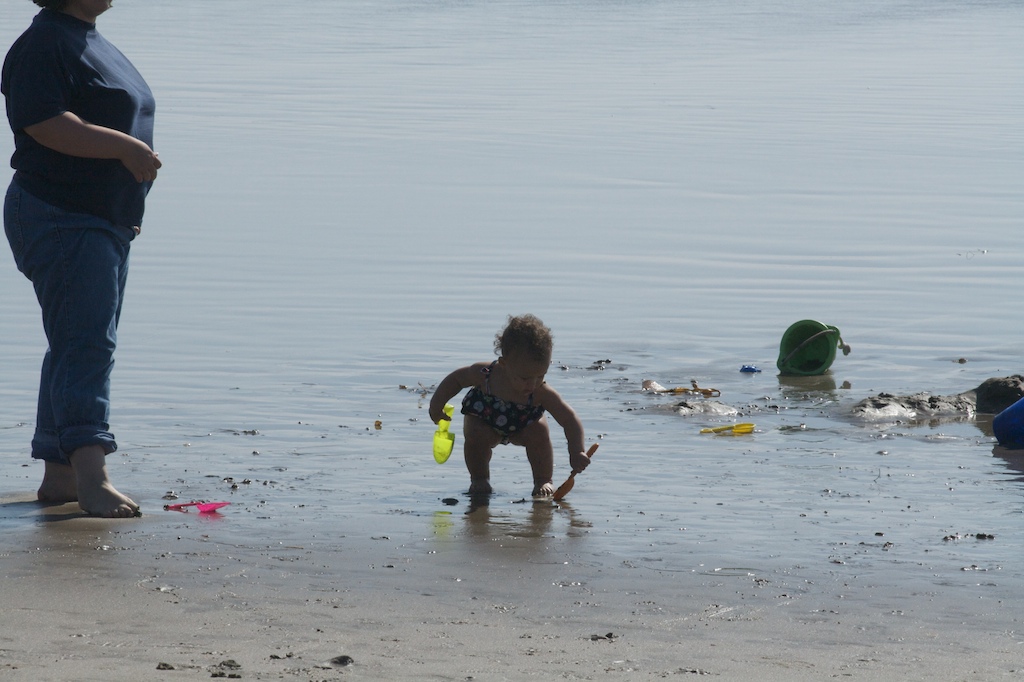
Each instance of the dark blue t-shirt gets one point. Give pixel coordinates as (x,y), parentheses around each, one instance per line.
(62,64)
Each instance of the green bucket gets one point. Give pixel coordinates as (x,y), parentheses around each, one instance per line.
(808,347)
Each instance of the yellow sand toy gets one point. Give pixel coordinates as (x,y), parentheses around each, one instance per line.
(731,429)
(444,440)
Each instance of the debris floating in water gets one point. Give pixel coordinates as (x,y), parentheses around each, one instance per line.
(203,507)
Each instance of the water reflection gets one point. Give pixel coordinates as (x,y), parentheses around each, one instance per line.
(484,521)
(524,529)
(1013,459)
(821,383)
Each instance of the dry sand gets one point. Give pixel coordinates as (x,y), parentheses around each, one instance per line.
(175,596)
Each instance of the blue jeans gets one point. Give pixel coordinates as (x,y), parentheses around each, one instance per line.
(78,265)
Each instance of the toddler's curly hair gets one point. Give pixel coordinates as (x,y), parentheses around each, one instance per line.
(525,334)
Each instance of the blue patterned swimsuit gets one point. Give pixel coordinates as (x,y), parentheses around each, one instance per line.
(507,418)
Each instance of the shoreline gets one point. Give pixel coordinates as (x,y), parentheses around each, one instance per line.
(178,596)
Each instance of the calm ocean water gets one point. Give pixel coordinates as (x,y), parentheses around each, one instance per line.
(356,194)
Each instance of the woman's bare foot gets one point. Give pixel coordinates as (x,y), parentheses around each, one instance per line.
(545,489)
(96,495)
(59,484)
(480,486)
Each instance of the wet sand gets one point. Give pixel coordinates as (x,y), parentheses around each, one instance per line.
(187,596)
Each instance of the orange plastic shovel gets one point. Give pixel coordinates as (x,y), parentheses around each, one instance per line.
(564,489)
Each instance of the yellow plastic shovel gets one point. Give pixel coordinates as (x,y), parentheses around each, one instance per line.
(444,440)
(731,429)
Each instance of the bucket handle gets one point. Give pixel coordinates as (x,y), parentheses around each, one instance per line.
(812,337)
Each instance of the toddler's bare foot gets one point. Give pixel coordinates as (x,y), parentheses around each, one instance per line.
(59,484)
(543,489)
(96,495)
(480,486)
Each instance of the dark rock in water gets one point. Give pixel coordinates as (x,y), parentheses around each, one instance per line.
(991,397)
(995,395)
(888,406)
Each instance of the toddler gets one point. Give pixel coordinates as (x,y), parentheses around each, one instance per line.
(506,403)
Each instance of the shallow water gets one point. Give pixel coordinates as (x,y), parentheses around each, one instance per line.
(355,195)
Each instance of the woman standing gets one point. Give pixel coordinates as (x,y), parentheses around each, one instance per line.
(82,118)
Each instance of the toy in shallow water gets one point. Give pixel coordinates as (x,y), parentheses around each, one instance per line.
(203,507)
(808,348)
(444,440)
(564,489)
(731,429)
(1008,426)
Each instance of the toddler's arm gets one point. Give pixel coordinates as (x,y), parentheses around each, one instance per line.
(449,387)
(566,417)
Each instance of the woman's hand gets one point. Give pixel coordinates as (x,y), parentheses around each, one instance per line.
(141,161)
